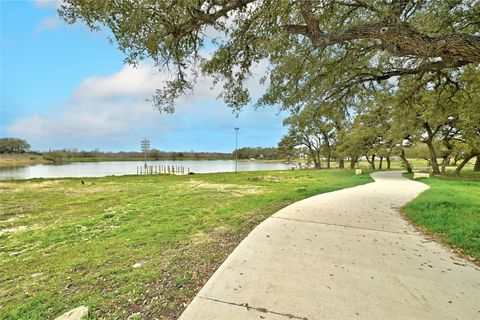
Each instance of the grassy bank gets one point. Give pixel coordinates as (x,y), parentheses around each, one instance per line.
(123,245)
(450,211)
(23,159)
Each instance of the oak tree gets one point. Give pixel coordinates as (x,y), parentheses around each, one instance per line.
(345,43)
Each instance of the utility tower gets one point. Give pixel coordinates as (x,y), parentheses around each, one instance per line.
(145,145)
(236,149)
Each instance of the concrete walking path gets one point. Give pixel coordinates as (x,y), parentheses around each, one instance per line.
(346,254)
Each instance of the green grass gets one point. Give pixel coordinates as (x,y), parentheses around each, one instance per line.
(64,244)
(450,210)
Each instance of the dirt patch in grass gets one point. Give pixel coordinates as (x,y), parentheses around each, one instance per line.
(13,229)
(29,185)
(232,189)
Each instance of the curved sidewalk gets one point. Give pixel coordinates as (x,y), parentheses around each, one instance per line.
(346,254)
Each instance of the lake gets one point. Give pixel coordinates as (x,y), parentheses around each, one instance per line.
(109,168)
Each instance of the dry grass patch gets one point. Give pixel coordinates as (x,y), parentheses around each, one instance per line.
(234,190)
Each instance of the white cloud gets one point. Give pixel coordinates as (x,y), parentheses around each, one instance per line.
(109,108)
(141,82)
(84,121)
(47,3)
(112,110)
(49,23)
(129,81)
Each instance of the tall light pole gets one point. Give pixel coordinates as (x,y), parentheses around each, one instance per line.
(145,145)
(236,149)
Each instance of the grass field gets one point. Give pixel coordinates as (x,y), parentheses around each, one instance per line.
(23,159)
(133,244)
(450,210)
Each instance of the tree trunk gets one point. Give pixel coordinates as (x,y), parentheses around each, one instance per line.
(445,162)
(463,163)
(380,164)
(319,157)
(405,162)
(388,163)
(341,163)
(455,160)
(431,149)
(476,167)
(370,161)
(433,157)
(315,157)
(353,162)
(372,164)
(328,147)
(316,163)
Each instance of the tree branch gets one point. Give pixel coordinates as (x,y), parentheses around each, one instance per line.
(399,39)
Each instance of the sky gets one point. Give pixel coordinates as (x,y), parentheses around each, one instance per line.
(65,87)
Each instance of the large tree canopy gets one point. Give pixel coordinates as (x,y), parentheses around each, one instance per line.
(13,145)
(342,43)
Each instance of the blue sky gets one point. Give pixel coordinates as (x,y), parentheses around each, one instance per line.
(66,87)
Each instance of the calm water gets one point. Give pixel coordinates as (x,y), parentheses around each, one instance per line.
(100,169)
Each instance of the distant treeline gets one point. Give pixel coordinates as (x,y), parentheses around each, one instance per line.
(154,154)
(68,155)
(15,146)
(262,153)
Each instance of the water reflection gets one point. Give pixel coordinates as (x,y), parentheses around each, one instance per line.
(100,169)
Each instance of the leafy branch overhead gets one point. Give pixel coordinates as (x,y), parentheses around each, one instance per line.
(346,42)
